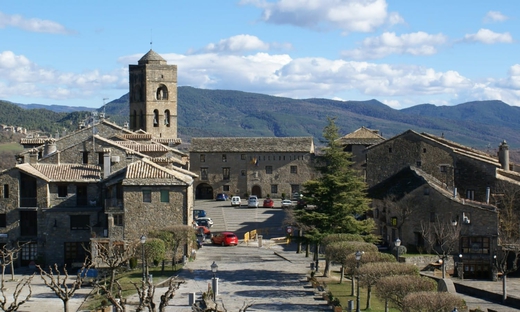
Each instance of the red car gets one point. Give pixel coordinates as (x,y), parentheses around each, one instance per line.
(225,239)
(268,203)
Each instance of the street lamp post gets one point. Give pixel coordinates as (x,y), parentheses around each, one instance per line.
(214,280)
(358,258)
(143,240)
(397,244)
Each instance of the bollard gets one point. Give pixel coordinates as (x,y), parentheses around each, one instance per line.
(312,266)
(260,238)
(350,305)
(191,299)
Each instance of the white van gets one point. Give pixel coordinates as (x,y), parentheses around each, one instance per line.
(252,202)
(236,201)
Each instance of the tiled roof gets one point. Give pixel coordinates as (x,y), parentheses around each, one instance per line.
(151,58)
(142,147)
(145,169)
(175,141)
(254,144)
(362,136)
(63,172)
(137,136)
(32,141)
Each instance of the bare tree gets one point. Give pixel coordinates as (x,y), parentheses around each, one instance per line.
(8,255)
(17,299)
(113,255)
(393,289)
(508,252)
(430,301)
(58,282)
(402,208)
(376,265)
(339,252)
(117,300)
(146,294)
(442,237)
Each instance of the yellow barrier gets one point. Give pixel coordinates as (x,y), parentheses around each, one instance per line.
(253,234)
(246,237)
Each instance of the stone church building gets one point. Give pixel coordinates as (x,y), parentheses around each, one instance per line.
(103,180)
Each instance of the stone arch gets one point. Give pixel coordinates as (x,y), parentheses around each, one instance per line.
(167,117)
(256,190)
(156,118)
(204,191)
(162,93)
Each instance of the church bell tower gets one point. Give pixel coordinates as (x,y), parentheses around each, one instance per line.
(153,96)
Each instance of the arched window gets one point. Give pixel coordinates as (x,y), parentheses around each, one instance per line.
(161,93)
(167,117)
(156,118)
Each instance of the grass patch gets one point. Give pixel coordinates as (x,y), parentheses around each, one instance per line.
(97,299)
(11,147)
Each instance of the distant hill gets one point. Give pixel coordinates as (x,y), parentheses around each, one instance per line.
(212,113)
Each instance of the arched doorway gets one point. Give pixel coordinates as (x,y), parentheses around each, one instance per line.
(204,191)
(256,190)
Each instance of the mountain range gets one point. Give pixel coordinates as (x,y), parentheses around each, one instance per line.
(215,113)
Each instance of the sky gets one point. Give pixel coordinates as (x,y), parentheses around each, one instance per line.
(400,52)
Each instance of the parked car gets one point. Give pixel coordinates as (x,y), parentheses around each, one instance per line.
(286,203)
(202,230)
(225,239)
(268,203)
(198,213)
(203,222)
(221,197)
(204,219)
(236,201)
(252,202)
(301,203)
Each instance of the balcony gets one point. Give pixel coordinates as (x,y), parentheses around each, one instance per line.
(114,204)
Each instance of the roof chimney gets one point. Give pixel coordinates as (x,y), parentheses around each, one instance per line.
(503,155)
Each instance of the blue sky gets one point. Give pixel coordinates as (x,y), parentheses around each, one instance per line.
(401,52)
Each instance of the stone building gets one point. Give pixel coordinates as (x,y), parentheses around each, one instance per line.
(101,181)
(257,166)
(356,142)
(435,177)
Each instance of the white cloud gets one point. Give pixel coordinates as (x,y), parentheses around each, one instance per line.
(494,16)
(347,15)
(489,37)
(418,43)
(21,77)
(239,44)
(32,24)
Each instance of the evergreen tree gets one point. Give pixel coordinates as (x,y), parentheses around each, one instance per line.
(337,197)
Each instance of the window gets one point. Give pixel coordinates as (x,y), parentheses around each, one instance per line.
(389,150)
(294,169)
(394,221)
(444,168)
(243,156)
(424,150)
(243,172)
(225,173)
(203,173)
(470,194)
(165,196)
(274,188)
(62,190)
(268,169)
(80,222)
(156,118)
(202,158)
(147,196)
(224,158)
(426,191)
(3,220)
(6,190)
(118,220)
(475,245)
(101,158)
(167,118)
(225,188)
(418,163)
(84,156)
(29,252)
